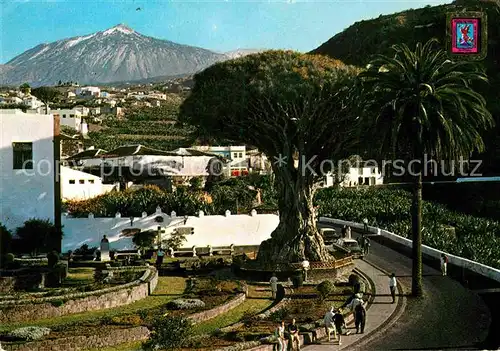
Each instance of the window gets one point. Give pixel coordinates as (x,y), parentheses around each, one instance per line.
(72,116)
(64,116)
(373,170)
(91,181)
(240,155)
(23,155)
(82,181)
(235,155)
(72,181)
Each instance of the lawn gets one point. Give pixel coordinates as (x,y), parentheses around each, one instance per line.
(167,289)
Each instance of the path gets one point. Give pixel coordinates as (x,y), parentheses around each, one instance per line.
(378,313)
(449,317)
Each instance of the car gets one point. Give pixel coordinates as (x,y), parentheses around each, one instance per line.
(352,246)
(329,235)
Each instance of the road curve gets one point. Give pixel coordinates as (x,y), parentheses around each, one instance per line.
(449,317)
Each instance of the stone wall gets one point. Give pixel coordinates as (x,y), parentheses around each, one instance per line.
(92,301)
(481,269)
(7,284)
(214,312)
(81,342)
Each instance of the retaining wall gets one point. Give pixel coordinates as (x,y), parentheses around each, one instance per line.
(46,307)
(81,342)
(479,268)
(216,311)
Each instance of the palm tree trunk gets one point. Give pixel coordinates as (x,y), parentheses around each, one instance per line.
(417,289)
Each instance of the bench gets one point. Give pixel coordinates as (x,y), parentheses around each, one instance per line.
(220,250)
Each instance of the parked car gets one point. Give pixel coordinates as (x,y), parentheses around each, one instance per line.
(352,246)
(330,235)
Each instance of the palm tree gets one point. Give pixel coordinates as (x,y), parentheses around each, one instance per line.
(425,104)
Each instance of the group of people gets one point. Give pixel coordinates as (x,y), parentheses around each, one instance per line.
(293,335)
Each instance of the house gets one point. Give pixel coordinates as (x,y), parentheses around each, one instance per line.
(362,174)
(258,162)
(90,158)
(236,154)
(27,180)
(88,91)
(70,95)
(32,102)
(12,100)
(77,185)
(69,117)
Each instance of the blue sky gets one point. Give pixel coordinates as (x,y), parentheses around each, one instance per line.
(222,25)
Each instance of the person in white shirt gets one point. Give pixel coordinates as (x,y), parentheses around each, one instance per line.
(444,264)
(357,306)
(365,225)
(392,286)
(280,334)
(274,285)
(329,324)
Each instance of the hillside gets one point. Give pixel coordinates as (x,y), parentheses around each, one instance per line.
(359,42)
(116,54)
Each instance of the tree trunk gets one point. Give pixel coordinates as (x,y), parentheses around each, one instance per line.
(417,289)
(296,238)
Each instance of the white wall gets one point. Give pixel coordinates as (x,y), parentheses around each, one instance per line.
(373,173)
(26,193)
(72,122)
(479,268)
(209,230)
(72,189)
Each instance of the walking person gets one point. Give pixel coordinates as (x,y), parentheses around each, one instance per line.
(365,225)
(159,257)
(358,308)
(366,246)
(392,286)
(444,264)
(340,325)
(348,233)
(280,334)
(293,330)
(274,286)
(329,324)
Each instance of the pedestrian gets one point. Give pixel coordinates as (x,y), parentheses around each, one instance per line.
(159,257)
(392,287)
(274,286)
(366,246)
(280,334)
(344,231)
(329,324)
(358,308)
(365,225)
(444,264)
(293,330)
(348,232)
(340,325)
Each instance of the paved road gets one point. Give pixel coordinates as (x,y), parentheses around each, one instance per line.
(450,317)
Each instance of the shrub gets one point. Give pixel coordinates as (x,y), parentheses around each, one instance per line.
(169,333)
(133,319)
(185,304)
(57,303)
(324,289)
(5,239)
(52,259)
(9,259)
(248,318)
(279,315)
(38,235)
(145,239)
(30,333)
(298,280)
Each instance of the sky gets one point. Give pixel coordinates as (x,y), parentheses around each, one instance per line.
(219,25)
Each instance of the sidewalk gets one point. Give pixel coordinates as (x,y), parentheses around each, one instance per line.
(377,314)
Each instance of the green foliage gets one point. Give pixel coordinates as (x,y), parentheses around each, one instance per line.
(324,289)
(38,235)
(280,315)
(196,183)
(5,239)
(145,239)
(232,194)
(475,238)
(169,333)
(25,88)
(45,94)
(175,241)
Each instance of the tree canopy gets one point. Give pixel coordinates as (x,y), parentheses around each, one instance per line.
(278,101)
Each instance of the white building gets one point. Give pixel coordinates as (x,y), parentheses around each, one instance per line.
(88,91)
(27,167)
(362,175)
(77,185)
(14,100)
(237,155)
(32,102)
(69,117)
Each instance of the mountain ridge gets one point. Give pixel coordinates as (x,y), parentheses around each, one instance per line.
(112,55)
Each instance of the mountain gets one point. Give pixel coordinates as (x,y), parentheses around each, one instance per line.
(116,54)
(357,44)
